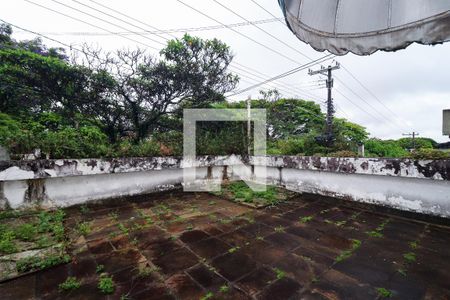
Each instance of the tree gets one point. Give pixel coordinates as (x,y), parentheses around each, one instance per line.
(293,117)
(33,83)
(348,135)
(270,95)
(191,70)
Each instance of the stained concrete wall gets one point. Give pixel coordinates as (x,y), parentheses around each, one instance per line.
(419,186)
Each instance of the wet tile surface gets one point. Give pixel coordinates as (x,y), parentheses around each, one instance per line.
(197,246)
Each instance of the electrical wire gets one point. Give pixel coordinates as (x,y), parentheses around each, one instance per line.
(261,29)
(164,31)
(239,33)
(87,23)
(290,72)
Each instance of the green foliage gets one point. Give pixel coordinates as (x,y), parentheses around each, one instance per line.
(84,228)
(7,244)
(375,233)
(86,110)
(106,284)
(279,273)
(306,219)
(26,232)
(429,154)
(99,269)
(388,148)
(234,249)
(347,253)
(52,222)
(384,293)
(71,283)
(39,263)
(240,190)
(410,257)
(208,296)
(420,143)
(41,231)
(343,153)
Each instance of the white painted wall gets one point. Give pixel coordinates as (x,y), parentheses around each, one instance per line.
(406,189)
(411,194)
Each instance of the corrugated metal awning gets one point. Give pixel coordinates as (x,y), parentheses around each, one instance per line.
(365,26)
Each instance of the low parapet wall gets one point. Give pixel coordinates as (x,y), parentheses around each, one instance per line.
(416,185)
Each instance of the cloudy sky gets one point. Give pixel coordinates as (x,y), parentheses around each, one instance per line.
(411,87)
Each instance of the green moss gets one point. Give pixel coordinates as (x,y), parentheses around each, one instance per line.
(410,257)
(384,293)
(84,228)
(306,219)
(70,284)
(209,295)
(26,232)
(234,249)
(39,263)
(106,284)
(279,229)
(279,273)
(99,269)
(84,209)
(413,245)
(123,229)
(347,253)
(374,233)
(7,244)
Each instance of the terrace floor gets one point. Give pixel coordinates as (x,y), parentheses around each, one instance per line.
(179,245)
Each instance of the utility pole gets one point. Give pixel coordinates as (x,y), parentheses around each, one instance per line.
(329,136)
(413,135)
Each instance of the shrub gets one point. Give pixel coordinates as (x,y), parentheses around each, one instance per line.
(343,153)
(26,232)
(429,154)
(7,244)
(39,263)
(70,284)
(106,284)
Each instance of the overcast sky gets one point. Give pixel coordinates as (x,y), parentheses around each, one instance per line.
(412,84)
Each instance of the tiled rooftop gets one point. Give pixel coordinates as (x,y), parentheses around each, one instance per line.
(179,245)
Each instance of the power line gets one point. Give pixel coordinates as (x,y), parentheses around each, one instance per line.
(127,16)
(81,20)
(87,23)
(271,14)
(290,72)
(267,11)
(240,33)
(46,37)
(376,110)
(247,21)
(266,32)
(121,20)
(164,31)
(370,92)
(110,23)
(362,109)
(103,20)
(285,86)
